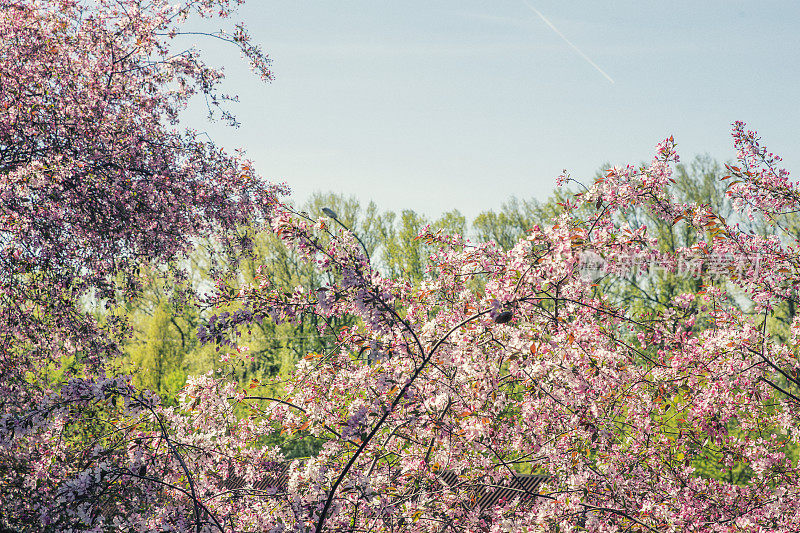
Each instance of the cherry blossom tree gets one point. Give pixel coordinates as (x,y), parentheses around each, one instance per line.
(96,177)
(683,418)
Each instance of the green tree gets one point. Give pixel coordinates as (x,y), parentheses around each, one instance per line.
(403,254)
(515,218)
(158,359)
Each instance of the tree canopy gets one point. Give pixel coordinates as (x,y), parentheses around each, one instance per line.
(632,344)
(679,416)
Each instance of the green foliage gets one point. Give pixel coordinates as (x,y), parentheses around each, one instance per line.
(160,353)
(403,254)
(162,348)
(515,218)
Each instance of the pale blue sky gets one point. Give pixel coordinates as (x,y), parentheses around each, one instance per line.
(435,105)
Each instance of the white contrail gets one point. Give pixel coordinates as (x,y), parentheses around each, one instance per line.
(592,63)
